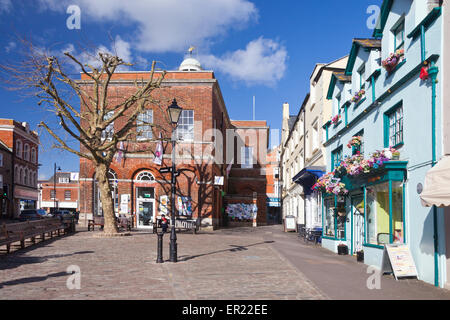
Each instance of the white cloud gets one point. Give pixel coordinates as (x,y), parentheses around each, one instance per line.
(11,46)
(119,47)
(169,25)
(5,5)
(262,62)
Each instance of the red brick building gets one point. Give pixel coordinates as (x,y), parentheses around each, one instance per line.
(6,181)
(141,191)
(60,191)
(23,144)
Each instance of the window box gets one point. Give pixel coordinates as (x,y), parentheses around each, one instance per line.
(393,60)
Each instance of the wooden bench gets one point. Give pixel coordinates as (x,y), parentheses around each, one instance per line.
(124,222)
(19,232)
(97,221)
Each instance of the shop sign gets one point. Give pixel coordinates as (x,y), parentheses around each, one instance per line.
(290,224)
(20,193)
(397,258)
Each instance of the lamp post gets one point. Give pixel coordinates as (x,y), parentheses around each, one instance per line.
(54,187)
(174,112)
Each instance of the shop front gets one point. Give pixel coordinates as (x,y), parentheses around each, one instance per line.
(24,198)
(369,216)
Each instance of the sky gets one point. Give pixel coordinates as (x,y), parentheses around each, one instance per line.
(261,48)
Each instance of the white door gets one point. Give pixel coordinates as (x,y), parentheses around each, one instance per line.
(145,213)
(358,223)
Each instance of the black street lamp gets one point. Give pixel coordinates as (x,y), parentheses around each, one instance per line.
(174,112)
(54,187)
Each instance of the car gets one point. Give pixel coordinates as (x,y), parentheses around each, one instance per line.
(64,214)
(33,214)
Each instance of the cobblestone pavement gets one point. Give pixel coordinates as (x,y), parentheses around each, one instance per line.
(219,265)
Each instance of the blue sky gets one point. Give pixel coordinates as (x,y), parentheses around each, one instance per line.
(266,49)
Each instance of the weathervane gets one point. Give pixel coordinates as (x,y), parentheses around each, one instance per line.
(191,49)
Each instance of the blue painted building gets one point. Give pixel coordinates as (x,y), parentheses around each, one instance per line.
(399,105)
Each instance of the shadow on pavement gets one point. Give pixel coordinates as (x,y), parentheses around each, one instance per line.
(234,249)
(32,279)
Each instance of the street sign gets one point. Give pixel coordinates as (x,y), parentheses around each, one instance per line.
(165,170)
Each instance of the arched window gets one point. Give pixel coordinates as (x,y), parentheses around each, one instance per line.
(25,178)
(21,176)
(145,176)
(19,148)
(26,152)
(30,178)
(33,155)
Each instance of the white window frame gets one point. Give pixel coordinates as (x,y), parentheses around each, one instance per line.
(67,192)
(109,130)
(246,157)
(185,129)
(143,125)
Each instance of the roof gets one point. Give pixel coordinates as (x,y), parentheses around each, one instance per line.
(337,75)
(341,76)
(291,122)
(249,123)
(368,43)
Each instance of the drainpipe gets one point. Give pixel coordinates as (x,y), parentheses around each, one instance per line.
(433,71)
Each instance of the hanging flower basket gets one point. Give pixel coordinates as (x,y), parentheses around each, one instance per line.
(392,61)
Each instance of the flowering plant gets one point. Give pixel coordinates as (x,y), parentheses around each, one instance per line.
(358,96)
(353,166)
(393,59)
(356,141)
(330,184)
(336,119)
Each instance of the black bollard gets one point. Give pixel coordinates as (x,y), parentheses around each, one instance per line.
(160,248)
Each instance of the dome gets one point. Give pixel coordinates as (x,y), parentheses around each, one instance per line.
(190,64)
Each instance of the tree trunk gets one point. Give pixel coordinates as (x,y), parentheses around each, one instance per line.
(101,175)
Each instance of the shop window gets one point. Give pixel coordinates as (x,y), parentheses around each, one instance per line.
(378,215)
(330,229)
(397,212)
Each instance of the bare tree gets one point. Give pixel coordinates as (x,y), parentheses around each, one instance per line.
(88,124)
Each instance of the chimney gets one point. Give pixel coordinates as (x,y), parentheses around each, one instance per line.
(286,111)
(285,124)
(433,4)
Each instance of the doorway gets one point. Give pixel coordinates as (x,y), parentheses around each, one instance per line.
(145,205)
(358,223)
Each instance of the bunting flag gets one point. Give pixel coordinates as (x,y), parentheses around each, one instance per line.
(119,154)
(159,152)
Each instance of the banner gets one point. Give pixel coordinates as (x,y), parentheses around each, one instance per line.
(159,152)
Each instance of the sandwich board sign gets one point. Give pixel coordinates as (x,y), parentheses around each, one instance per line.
(397,259)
